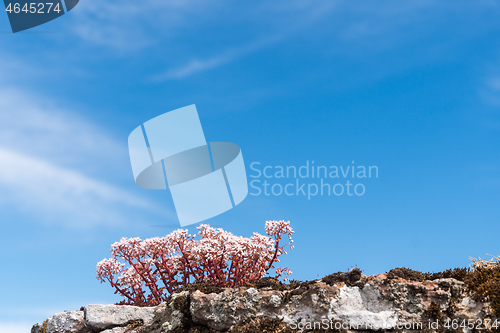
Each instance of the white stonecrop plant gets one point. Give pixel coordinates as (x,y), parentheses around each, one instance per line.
(164,264)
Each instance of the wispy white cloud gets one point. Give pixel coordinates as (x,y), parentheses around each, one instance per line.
(490,92)
(38,185)
(14,69)
(268,12)
(377,27)
(39,127)
(200,65)
(495,84)
(56,163)
(488,116)
(125,25)
(195,66)
(168,30)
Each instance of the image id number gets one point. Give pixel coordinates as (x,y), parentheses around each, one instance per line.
(33,8)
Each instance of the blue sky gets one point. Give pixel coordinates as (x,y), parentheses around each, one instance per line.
(413,88)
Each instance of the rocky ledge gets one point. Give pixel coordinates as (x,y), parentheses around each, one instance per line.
(400,300)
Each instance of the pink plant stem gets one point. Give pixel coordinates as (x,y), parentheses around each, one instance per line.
(231,269)
(150,284)
(276,248)
(211,272)
(221,265)
(155,287)
(237,272)
(121,291)
(163,264)
(187,263)
(162,276)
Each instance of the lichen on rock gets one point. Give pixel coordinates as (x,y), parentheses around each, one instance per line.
(347,301)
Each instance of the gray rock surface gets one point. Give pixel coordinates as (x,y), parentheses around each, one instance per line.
(99,316)
(376,302)
(115,330)
(119,330)
(168,317)
(62,322)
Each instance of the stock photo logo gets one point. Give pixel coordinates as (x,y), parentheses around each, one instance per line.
(205,179)
(26,14)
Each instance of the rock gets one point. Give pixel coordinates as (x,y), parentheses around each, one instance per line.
(168,317)
(115,330)
(348,302)
(378,304)
(66,322)
(362,307)
(62,322)
(109,316)
(36,328)
(119,330)
(221,311)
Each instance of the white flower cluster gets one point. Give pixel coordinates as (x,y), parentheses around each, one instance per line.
(177,259)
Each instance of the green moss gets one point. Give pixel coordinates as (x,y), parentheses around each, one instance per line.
(182,303)
(264,282)
(460,274)
(485,283)
(407,274)
(349,278)
(267,282)
(194,329)
(433,311)
(259,325)
(455,273)
(206,288)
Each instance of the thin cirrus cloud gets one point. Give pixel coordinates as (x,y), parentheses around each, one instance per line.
(39,127)
(491,91)
(196,65)
(49,162)
(35,184)
(370,22)
(125,25)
